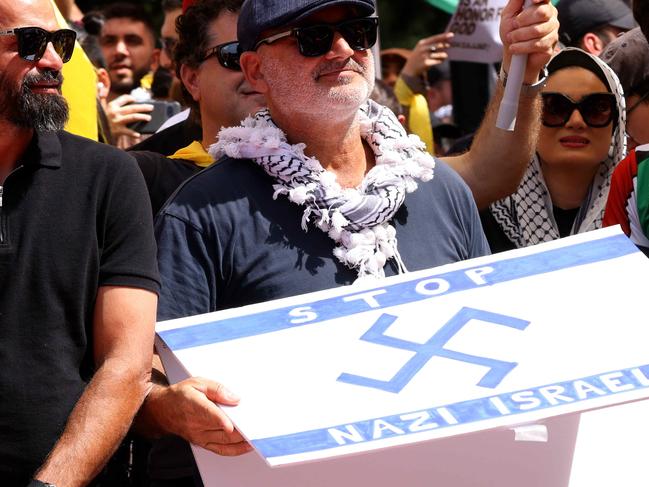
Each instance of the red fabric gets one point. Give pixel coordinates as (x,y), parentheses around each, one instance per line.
(187,4)
(621,190)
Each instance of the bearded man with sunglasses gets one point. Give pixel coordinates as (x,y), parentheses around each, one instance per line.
(78,281)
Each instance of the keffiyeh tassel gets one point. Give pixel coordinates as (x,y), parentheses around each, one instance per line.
(357,219)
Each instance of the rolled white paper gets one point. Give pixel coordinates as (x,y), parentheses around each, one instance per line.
(509,105)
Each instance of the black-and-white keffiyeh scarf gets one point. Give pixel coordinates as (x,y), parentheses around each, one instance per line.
(357,219)
(527,216)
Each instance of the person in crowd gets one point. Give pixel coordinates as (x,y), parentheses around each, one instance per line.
(78,277)
(580,142)
(392,62)
(628,199)
(592,24)
(184,128)
(411,85)
(439,93)
(128,41)
(206,58)
(628,56)
(236,233)
(172,9)
(165,84)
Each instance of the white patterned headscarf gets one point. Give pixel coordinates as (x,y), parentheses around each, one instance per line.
(357,219)
(526,216)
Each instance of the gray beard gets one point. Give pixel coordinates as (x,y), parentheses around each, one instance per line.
(25,109)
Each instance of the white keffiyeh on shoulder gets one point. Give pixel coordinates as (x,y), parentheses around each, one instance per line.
(357,219)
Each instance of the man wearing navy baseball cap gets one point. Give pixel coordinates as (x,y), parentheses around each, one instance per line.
(592,24)
(323,187)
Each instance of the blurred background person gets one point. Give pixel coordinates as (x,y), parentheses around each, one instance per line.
(565,187)
(628,199)
(592,24)
(411,84)
(439,93)
(392,62)
(628,56)
(128,42)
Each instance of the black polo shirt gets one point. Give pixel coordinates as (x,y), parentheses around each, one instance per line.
(75,216)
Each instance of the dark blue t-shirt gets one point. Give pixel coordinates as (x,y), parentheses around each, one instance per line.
(224,242)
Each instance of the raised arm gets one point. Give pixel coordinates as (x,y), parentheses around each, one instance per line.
(123,329)
(497,160)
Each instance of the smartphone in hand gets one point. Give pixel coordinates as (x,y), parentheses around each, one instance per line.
(162,110)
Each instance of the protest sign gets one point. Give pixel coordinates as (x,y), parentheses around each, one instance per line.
(492,342)
(476,24)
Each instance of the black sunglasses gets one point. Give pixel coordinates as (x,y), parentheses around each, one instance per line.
(168,45)
(316,40)
(228,55)
(596,109)
(32,42)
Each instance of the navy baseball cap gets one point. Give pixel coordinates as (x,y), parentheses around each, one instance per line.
(258,16)
(628,56)
(578,17)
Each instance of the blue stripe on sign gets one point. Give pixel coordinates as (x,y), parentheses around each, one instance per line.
(397,294)
(465,412)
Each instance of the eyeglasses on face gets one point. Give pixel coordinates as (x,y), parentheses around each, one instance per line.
(227,55)
(596,109)
(316,40)
(32,42)
(168,45)
(637,103)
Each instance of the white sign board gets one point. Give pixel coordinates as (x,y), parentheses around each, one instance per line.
(476,24)
(492,342)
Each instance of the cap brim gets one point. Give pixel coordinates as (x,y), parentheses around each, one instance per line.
(627,22)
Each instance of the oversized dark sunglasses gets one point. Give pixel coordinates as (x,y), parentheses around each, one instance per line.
(316,40)
(227,54)
(32,42)
(596,109)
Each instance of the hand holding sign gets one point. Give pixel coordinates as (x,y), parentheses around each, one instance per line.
(189,409)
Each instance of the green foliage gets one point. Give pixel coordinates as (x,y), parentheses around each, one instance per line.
(404,22)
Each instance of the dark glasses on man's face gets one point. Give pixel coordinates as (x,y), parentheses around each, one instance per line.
(32,42)
(596,110)
(168,45)
(227,55)
(316,40)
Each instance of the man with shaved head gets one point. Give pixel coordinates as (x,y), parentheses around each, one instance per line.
(78,281)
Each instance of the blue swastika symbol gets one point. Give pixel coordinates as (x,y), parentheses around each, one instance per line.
(498,369)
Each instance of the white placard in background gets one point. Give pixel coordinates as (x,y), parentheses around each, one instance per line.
(476,25)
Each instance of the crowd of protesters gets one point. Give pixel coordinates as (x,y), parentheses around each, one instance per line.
(224,135)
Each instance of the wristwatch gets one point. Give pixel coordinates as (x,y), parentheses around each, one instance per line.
(528,90)
(38,483)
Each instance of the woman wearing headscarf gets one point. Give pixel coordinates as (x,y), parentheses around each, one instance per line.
(581,140)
